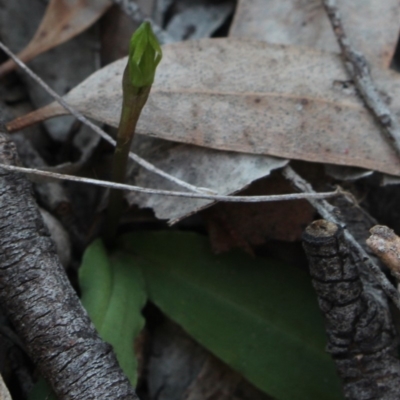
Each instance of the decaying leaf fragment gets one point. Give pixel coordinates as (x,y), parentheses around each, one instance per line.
(249,97)
(361,336)
(224,172)
(62,21)
(386,245)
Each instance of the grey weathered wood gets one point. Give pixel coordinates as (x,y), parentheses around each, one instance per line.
(40,302)
(361,336)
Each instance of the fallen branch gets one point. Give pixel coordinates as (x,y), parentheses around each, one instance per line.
(357,66)
(361,336)
(41,304)
(80,117)
(328,212)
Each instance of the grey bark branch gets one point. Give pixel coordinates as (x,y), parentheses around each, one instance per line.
(328,212)
(361,335)
(357,66)
(40,302)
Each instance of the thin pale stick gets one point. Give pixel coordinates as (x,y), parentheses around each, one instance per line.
(357,66)
(133,11)
(139,189)
(145,164)
(327,211)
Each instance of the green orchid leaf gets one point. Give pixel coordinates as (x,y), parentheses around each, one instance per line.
(113,294)
(144,56)
(260,316)
(95,282)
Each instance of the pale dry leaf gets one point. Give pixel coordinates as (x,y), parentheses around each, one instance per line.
(62,21)
(249,97)
(224,172)
(372,25)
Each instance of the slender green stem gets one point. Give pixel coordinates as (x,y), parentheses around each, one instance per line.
(133,101)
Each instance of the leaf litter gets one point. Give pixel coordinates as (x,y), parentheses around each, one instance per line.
(73,60)
(62,21)
(372,25)
(225,172)
(185,92)
(212,163)
(248,97)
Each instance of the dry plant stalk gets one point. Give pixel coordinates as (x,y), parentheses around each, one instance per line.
(361,336)
(386,245)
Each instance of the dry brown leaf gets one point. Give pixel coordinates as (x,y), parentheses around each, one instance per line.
(62,21)
(250,97)
(372,25)
(249,225)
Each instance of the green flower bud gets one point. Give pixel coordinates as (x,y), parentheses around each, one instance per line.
(144,56)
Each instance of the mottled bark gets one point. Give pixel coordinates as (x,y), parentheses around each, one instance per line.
(361,336)
(38,299)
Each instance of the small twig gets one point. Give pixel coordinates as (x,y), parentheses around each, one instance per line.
(357,66)
(327,211)
(122,186)
(145,164)
(133,11)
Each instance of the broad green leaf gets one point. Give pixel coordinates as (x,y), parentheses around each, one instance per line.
(260,316)
(113,294)
(95,281)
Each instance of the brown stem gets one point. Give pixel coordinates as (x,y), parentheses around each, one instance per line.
(133,102)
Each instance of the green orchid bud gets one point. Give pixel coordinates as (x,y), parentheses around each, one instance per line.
(144,56)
